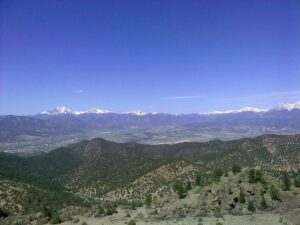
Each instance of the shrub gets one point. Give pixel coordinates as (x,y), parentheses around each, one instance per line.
(46,212)
(236,169)
(242,196)
(132,222)
(297,181)
(148,200)
(84,223)
(55,219)
(217,173)
(255,176)
(179,189)
(109,211)
(286,182)
(219,223)
(188,186)
(263,203)
(274,193)
(3,213)
(101,210)
(226,173)
(251,206)
(199,180)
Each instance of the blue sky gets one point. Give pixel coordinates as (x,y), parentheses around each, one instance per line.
(163,56)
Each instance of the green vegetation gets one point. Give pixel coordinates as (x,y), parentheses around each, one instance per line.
(126,170)
(133,206)
(188,186)
(297,181)
(286,182)
(3,213)
(274,193)
(148,200)
(132,222)
(55,219)
(52,215)
(217,174)
(179,189)
(200,180)
(242,196)
(255,176)
(251,206)
(263,203)
(236,168)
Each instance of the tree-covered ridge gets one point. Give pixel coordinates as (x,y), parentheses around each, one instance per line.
(131,174)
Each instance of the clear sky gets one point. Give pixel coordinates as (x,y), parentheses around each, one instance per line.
(157,55)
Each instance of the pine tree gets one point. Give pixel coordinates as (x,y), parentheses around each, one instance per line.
(274,192)
(148,200)
(251,206)
(263,203)
(188,185)
(133,205)
(286,182)
(236,168)
(297,181)
(242,196)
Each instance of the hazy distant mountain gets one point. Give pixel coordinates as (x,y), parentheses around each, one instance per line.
(60,126)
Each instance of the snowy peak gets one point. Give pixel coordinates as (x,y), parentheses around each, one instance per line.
(64,110)
(288,107)
(58,110)
(92,111)
(245,109)
(137,112)
(61,110)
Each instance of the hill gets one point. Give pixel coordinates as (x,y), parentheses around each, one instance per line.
(99,172)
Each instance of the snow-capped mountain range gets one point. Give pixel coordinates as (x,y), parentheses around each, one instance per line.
(245,109)
(288,107)
(64,110)
(60,110)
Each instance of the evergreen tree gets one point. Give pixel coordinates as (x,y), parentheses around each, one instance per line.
(286,182)
(133,205)
(181,192)
(217,173)
(188,186)
(251,206)
(148,200)
(242,196)
(274,193)
(297,181)
(263,203)
(179,189)
(198,180)
(236,169)
(3,213)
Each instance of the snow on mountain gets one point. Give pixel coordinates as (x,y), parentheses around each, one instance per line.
(137,112)
(288,107)
(245,109)
(92,111)
(58,110)
(64,110)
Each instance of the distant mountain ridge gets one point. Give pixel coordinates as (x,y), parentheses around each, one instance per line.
(64,110)
(60,126)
